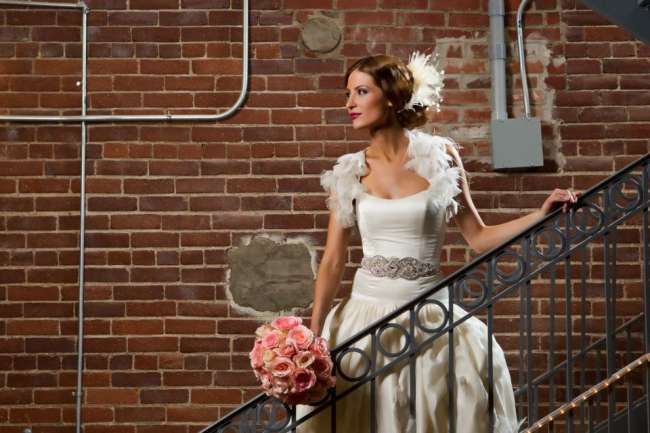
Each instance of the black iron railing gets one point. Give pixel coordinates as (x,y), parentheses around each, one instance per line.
(580,283)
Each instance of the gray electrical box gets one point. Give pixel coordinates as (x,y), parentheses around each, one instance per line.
(517,143)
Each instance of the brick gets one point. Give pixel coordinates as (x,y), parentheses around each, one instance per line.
(138,292)
(186,222)
(186,378)
(201,309)
(191,414)
(204,344)
(131,379)
(15,397)
(626,66)
(135,327)
(32,292)
(154,239)
(164,396)
(228,378)
(155,309)
(105,345)
(138,221)
(153,344)
(148,275)
(32,327)
(34,415)
(112,396)
(139,414)
(31,380)
(49,345)
(189,326)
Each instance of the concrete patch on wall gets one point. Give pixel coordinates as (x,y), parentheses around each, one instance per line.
(271,274)
(320,34)
(470,133)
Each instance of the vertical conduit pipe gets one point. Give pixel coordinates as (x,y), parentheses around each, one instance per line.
(497,52)
(522,55)
(82,221)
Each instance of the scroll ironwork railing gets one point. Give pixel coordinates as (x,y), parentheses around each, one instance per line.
(571,291)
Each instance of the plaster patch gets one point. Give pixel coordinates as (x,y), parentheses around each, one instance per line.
(270,275)
(470,133)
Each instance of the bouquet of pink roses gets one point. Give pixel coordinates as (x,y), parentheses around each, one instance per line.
(291,363)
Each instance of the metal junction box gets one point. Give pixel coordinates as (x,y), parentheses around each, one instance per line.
(516,143)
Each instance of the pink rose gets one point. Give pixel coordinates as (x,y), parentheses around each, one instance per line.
(303,359)
(286,322)
(322,367)
(256,355)
(272,339)
(301,337)
(267,381)
(303,379)
(319,347)
(281,386)
(263,330)
(268,356)
(287,350)
(282,366)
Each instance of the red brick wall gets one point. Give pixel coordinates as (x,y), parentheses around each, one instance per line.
(164,349)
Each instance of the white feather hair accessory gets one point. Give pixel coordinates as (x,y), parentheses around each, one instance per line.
(427,81)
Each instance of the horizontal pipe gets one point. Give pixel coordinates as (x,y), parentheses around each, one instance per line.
(148,117)
(136,118)
(78,5)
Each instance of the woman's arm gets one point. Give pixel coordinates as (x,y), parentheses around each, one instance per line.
(482,237)
(330,272)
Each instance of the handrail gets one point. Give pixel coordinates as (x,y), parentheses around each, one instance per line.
(589,394)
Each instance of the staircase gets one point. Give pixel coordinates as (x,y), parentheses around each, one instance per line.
(632,15)
(580,285)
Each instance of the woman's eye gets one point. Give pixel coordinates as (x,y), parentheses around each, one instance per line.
(362,91)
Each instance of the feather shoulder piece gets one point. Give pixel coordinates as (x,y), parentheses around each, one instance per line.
(343,184)
(429,158)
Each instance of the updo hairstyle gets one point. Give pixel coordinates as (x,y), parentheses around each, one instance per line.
(396,81)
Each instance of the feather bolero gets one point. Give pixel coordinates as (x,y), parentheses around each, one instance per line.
(428,158)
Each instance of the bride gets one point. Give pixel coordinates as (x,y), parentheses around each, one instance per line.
(401,191)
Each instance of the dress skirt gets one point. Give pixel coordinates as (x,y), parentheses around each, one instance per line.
(372,300)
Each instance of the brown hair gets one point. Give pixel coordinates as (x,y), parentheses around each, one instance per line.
(396,81)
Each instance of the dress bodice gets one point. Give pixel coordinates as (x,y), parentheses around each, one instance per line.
(412,226)
(406,227)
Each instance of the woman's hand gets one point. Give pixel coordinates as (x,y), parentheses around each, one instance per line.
(565,197)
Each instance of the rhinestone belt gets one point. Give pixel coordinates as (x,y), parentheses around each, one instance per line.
(408,268)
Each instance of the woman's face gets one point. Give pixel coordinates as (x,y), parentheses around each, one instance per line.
(366,103)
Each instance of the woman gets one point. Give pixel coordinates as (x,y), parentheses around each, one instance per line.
(402,190)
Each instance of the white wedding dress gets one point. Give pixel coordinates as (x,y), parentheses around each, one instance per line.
(412,226)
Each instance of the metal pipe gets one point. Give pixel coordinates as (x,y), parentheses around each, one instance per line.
(522,55)
(125,118)
(497,52)
(78,5)
(147,117)
(82,221)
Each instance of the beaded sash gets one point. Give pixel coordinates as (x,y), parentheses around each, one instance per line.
(408,268)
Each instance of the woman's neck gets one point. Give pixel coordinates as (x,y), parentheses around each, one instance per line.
(389,143)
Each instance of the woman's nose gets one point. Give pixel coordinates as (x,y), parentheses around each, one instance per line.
(349,103)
